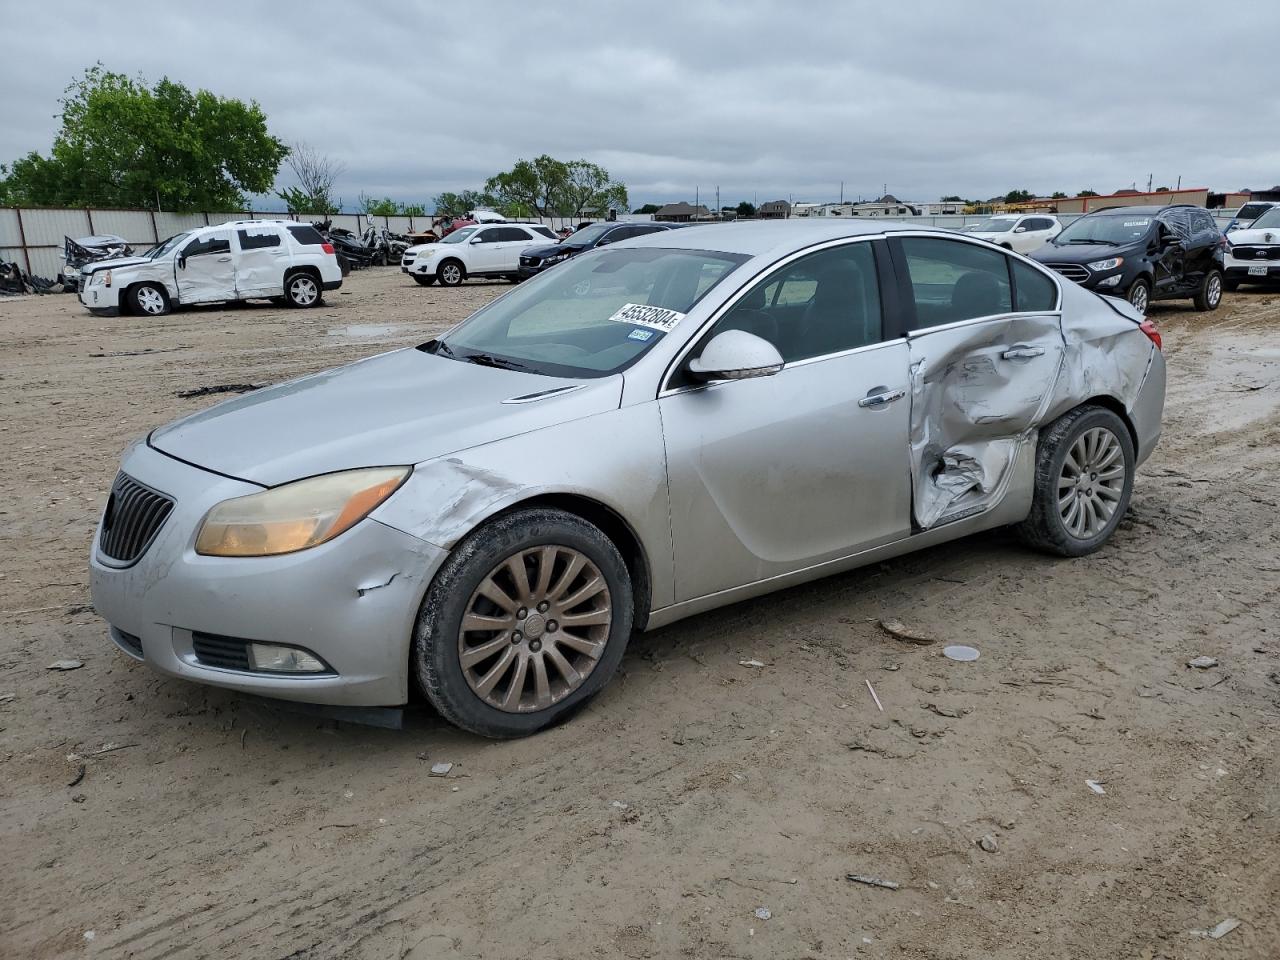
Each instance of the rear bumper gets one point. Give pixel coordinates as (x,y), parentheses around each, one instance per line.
(332,284)
(353,601)
(1147,412)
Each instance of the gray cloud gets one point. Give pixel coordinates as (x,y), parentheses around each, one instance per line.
(764,99)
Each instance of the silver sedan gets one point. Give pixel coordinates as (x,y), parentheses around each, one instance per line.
(655,429)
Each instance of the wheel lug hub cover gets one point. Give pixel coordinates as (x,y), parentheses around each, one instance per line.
(535,626)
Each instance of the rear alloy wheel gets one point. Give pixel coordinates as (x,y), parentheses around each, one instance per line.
(1210,293)
(450,273)
(527,619)
(1083,481)
(424,281)
(150,299)
(302,290)
(1140,296)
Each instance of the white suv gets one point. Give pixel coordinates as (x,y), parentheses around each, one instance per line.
(280,260)
(1018,232)
(486,250)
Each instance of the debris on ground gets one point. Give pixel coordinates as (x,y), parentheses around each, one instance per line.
(1096,787)
(619,805)
(961,653)
(441,769)
(763,913)
(1202,663)
(220,388)
(6,697)
(750,663)
(988,843)
(900,631)
(874,697)
(65,665)
(80,772)
(872,881)
(1218,932)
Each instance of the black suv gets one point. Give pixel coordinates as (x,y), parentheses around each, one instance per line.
(1142,254)
(536,259)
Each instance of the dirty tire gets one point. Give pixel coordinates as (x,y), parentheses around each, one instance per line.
(1209,293)
(302,290)
(451,273)
(149,300)
(1045,529)
(436,656)
(1140,295)
(424,281)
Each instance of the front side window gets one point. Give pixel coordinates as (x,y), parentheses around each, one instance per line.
(991,225)
(207,245)
(492,235)
(952,280)
(595,315)
(822,303)
(543,232)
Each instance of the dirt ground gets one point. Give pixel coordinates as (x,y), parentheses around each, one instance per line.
(695,790)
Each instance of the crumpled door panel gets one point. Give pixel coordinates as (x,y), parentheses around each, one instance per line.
(978,391)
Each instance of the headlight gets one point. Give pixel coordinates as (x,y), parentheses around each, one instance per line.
(555,258)
(297,515)
(1109,264)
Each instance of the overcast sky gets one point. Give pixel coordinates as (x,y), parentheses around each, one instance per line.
(766,100)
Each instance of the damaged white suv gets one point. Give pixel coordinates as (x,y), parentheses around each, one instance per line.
(285,262)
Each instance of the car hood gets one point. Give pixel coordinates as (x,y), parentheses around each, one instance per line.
(1250,236)
(98,265)
(551,250)
(402,407)
(1078,252)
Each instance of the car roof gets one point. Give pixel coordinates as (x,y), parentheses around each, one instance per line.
(756,237)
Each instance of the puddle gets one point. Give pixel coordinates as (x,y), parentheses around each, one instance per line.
(361,331)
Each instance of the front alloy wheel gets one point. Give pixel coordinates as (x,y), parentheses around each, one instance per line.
(1140,296)
(450,274)
(535,629)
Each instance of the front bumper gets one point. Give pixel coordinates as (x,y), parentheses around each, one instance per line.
(419,268)
(99,298)
(353,601)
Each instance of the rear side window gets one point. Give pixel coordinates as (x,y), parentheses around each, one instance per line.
(1204,222)
(1035,291)
(512,233)
(256,241)
(952,280)
(544,231)
(306,235)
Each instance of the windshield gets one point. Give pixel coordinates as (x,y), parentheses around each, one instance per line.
(594,316)
(459,235)
(1113,228)
(990,225)
(587,235)
(1269,219)
(160,249)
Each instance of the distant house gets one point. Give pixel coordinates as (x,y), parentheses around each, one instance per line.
(683,213)
(774,210)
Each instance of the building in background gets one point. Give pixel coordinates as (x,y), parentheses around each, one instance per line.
(683,213)
(774,210)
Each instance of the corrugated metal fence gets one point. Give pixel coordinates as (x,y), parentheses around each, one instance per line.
(33,236)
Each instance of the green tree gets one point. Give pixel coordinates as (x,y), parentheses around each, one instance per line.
(1058,195)
(649,208)
(744,209)
(545,186)
(954,199)
(316,174)
(1087,193)
(412,210)
(460,204)
(386,207)
(123,143)
(1019,196)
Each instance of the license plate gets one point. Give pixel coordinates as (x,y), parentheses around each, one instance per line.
(1257,271)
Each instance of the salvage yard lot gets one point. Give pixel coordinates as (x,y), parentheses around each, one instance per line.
(695,789)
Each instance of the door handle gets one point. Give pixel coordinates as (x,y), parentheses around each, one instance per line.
(873,400)
(1022,353)
(224,259)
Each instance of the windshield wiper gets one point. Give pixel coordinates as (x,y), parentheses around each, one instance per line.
(1109,243)
(488,360)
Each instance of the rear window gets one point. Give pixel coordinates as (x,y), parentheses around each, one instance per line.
(306,235)
(254,241)
(544,231)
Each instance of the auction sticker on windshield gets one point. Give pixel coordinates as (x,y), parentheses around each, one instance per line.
(643,315)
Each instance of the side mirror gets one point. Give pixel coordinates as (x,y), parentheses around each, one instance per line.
(736,355)
(1019,229)
(475,240)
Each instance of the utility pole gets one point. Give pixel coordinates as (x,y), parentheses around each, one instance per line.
(1179,181)
(717,201)
(697,199)
(842,193)
(1150,178)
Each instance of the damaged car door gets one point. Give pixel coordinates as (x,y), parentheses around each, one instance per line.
(773,474)
(204,270)
(260,261)
(985,342)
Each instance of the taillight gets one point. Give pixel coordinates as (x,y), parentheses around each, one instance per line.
(1152,332)
(327,247)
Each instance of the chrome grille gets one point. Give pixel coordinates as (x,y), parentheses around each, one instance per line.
(1072,271)
(528,261)
(134,515)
